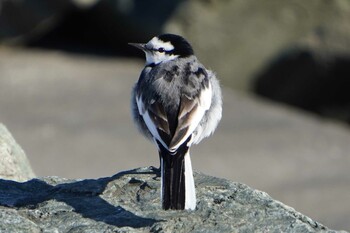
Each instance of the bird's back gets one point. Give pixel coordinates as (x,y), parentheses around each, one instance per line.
(172,79)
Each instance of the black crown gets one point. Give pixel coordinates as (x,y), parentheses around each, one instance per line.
(181,46)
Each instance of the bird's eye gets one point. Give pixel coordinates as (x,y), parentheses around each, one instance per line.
(161,50)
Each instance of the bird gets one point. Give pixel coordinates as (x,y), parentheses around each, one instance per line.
(175,103)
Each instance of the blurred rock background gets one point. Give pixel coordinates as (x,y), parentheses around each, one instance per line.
(66,72)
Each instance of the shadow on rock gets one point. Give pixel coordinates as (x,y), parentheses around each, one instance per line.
(83,196)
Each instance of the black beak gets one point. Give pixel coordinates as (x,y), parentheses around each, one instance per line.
(139,46)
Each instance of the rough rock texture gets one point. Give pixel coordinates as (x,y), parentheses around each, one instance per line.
(14,164)
(129,202)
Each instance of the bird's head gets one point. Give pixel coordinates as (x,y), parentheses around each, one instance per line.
(164,48)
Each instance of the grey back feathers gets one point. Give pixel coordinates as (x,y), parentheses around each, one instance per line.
(173,79)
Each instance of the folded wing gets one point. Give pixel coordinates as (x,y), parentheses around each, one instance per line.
(190,113)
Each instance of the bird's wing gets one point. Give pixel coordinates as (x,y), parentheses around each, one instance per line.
(190,114)
(155,119)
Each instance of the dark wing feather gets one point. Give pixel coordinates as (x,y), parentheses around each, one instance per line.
(190,114)
(160,120)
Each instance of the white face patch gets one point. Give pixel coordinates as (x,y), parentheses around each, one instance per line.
(156,43)
(155,56)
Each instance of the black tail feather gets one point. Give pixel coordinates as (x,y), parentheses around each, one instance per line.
(173,178)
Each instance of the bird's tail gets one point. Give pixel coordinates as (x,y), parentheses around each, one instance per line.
(178,190)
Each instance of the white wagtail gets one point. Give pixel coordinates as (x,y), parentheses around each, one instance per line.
(176,103)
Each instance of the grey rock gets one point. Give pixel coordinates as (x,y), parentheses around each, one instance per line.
(14,164)
(129,202)
(248,35)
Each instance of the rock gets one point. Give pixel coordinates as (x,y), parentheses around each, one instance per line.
(14,164)
(311,79)
(24,21)
(129,202)
(245,36)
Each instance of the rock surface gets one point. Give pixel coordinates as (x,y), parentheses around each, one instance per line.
(14,164)
(129,202)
